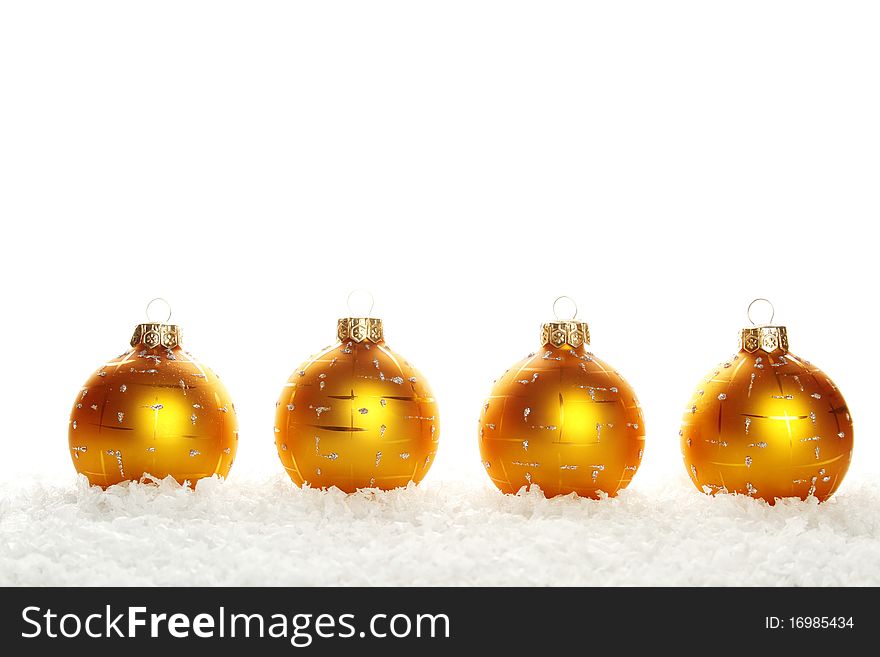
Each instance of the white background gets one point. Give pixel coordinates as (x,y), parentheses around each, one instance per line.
(252,162)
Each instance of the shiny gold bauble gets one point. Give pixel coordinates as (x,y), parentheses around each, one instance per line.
(357,415)
(154,411)
(562,419)
(767,424)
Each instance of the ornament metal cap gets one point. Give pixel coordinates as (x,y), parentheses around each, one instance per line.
(764,337)
(565,331)
(154,333)
(360,329)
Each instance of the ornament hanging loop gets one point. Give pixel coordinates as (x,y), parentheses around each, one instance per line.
(160,301)
(772,312)
(363,294)
(573,306)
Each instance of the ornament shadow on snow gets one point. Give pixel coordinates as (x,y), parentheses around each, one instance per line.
(767,423)
(154,411)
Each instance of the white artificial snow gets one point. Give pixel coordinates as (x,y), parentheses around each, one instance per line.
(268,532)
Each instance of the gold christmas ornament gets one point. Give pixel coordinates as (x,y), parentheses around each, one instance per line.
(357,415)
(154,410)
(562,419)
(767,423)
